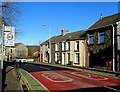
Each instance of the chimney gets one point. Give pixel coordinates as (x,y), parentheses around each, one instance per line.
(64,31)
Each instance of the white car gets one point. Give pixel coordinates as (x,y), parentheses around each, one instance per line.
(23,61)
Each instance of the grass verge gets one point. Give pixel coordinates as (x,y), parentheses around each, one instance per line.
(31,83)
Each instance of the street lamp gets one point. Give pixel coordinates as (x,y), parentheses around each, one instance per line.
(49,51)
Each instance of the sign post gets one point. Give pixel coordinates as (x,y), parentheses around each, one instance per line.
(7,40)
(2,56)
(2,59)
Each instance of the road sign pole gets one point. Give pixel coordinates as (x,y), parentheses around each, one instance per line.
(2,58)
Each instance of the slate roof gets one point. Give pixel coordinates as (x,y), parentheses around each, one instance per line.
(106,21)
(69,36)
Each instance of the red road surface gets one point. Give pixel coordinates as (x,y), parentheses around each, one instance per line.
(72,79)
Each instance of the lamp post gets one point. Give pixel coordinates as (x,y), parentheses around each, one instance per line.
(49,51)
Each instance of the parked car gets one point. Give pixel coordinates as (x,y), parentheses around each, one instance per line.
(21,60)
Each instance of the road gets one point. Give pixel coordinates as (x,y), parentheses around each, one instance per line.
(68,80)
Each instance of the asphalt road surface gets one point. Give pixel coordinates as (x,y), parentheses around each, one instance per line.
(58,79)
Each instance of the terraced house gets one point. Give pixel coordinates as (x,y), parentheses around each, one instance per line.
(98,46)
(104,43)
(68,48)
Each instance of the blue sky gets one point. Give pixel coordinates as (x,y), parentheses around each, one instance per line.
(73,16)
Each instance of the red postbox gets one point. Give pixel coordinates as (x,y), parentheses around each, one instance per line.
(110,63)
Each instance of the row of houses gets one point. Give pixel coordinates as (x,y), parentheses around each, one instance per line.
(98,46)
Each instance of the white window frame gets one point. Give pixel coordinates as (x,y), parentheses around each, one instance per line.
(56,56)
(63,46)
(68,57)
(57,47)
(77,45)
(67,45)
(63,58)
(77,58)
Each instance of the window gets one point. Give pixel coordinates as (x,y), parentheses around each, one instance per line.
(10,56)
(56,47)
(91,37)
(56,57)
(64,46)
(77,45)
(68,46)
(68,58)
(48,45)
(102,37)
(63,58)
(10,50)
(77,58)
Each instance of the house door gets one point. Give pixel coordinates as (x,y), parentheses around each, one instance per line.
(63,58)
(41,58)
(68,58)
(91,59)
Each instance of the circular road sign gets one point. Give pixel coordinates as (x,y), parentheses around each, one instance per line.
(10,36)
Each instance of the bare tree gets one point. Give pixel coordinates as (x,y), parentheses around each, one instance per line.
(10,13)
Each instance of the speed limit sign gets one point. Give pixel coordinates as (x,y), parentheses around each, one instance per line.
(9,39)
(10,36)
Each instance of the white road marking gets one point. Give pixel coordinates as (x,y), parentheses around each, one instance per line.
(89,76)
(112,88)
(55,77)
(69,74)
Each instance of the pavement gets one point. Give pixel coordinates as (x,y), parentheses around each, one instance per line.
(10,80)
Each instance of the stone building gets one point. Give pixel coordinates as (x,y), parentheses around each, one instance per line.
(103,42)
